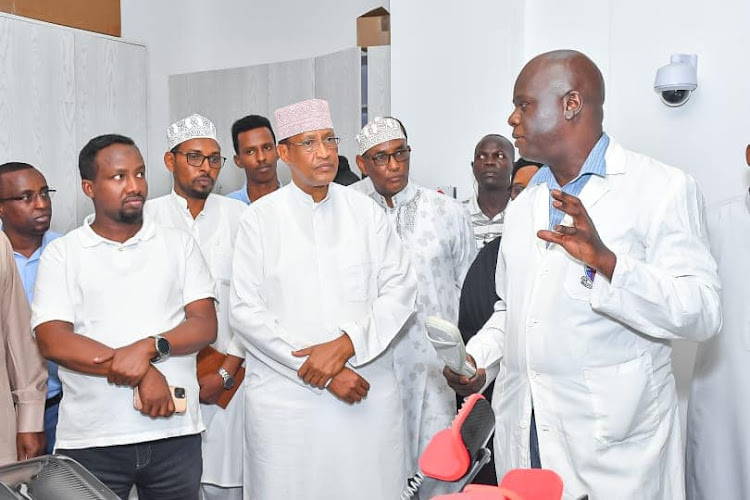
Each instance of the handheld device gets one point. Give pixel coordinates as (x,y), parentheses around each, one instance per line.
(179,398)
(447,341)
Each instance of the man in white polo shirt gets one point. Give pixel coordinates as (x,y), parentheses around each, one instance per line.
(122,304)
(194,158)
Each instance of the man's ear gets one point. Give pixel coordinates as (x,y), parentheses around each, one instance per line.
(236,159)
(283,150)
(169,160)
(361,164)
(88,188)
(747,155)
(572,104)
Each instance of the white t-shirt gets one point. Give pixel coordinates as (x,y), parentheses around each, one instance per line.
(117,293)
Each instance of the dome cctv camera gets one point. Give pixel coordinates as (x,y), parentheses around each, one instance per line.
(676,81)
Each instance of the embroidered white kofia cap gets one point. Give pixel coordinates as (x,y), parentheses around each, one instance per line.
(193,127)
(378,131)
(302,116)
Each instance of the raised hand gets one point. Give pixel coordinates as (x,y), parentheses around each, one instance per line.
(581,240)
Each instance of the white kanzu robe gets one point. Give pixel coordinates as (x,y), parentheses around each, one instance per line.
(215,230)
(718,432)
(597,361)
(303,273)
(438,238)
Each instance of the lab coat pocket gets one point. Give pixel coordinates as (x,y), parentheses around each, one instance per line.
(624,400)
(577,281)
(354,281)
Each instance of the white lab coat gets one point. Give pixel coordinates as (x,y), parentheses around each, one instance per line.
(597,361)
(718,440)
(215,230)
(303,273)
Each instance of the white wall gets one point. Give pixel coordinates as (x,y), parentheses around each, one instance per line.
(184,36)
(453,71)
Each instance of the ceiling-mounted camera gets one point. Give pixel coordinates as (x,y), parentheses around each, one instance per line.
(676,81)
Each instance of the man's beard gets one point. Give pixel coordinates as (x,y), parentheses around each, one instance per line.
(198,194)
(133,217)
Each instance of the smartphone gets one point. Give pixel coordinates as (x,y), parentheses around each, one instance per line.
(179,398)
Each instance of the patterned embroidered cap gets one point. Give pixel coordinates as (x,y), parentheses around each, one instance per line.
(302,116)
(193,127)
(378,131)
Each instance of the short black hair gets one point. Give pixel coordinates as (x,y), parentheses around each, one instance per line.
(13,166)
(249,122)
(522,162)
(86,159)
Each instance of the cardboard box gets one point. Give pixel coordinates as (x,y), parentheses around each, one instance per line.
(374,28)
(100,16)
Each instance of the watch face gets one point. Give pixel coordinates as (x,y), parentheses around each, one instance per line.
(229,382)
(162,345)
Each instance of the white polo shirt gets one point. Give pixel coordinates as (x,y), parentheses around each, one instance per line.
(117,293)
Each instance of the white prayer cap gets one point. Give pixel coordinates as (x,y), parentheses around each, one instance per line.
(378,131)
(193,127)
(302,116)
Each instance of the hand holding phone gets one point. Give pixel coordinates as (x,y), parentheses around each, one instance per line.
(153,397)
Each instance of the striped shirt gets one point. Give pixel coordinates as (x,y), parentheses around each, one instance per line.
(594,165)
(485,229)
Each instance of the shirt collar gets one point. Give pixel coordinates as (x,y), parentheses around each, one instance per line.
(305,198)
(46,238)
(401,198)
(182,204)
(89,238)
(593,165)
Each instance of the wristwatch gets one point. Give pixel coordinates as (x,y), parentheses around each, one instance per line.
(163,349)
(228,379)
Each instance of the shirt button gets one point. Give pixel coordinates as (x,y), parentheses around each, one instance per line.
(523,424)
(533,374)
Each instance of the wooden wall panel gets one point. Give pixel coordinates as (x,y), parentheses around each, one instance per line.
(111,95)
(37,108)
(379,81)
(337,80)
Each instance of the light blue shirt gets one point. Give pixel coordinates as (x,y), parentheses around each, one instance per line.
(27,268)
(594,165)
(240,194)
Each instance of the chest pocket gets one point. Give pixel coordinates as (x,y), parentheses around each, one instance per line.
(221,266)
(578,280)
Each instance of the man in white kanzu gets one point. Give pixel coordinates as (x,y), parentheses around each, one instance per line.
(194,158)
(122,305)
(321,287)
(604,260)
(436,233)
(718,441)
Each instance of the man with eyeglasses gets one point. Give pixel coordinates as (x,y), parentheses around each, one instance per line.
(321,286)
(26,214)
(492,165)
(194,159)
(255,152)
(436,233)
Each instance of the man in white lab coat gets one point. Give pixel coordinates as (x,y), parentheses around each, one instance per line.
(604,260)
(194,158)
(321,286)
(718,442)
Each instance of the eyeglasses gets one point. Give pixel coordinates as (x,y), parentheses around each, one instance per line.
(382,159)
(44,195)
(196,159)
(311,145)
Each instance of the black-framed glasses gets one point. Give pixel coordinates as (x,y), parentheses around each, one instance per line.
(311,145)
(382,159)
(196,159)
(30,197)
